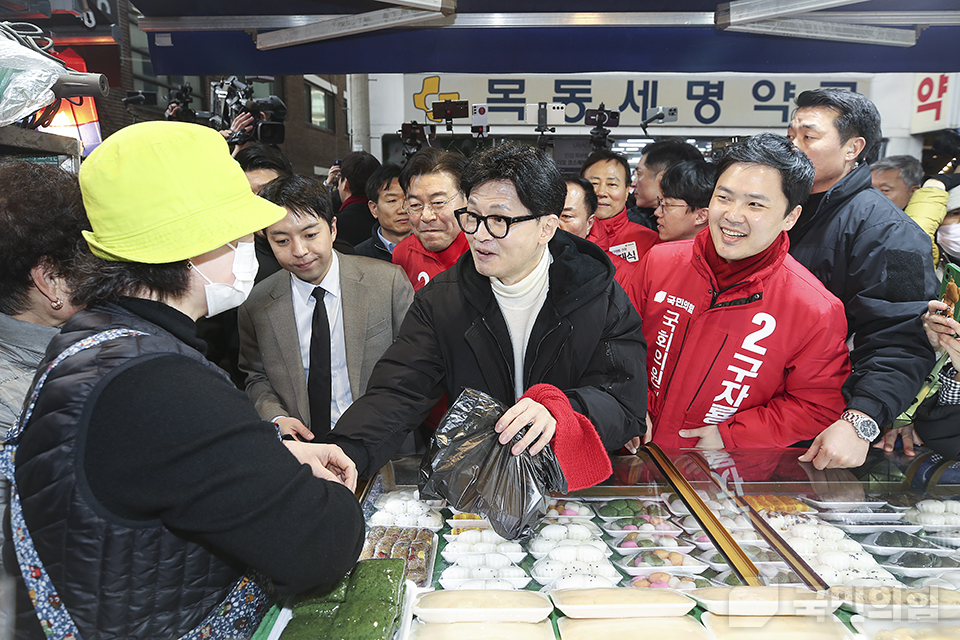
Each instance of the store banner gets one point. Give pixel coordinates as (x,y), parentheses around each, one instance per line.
(935,102)
(728,101)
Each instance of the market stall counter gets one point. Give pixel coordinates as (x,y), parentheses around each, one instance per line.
(709,545)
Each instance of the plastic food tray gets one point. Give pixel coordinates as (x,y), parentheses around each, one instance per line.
(689,569)
(891,564)
(765,601)
(759,628)
(685,627)
(481,631)
(482,606)
(621,603)
(837,505)
(681,547)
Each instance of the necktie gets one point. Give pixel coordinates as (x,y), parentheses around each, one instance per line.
(318,384)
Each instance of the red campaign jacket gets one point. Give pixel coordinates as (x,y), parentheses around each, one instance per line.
(422,265)
(764,359)
(615,234)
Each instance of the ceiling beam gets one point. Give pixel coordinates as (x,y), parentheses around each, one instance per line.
(818,30)
(746,11)
(446,7)
(889,18)
(343,26)
(460,20)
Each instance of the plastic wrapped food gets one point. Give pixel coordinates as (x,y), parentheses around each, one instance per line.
(467,465)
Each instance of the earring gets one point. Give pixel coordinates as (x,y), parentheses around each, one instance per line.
(57,305)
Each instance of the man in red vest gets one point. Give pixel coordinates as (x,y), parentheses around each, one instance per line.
(609,174)
(431,182)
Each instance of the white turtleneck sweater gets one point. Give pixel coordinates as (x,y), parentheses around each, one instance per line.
(520,305)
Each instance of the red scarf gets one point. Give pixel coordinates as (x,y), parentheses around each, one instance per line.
(730,273)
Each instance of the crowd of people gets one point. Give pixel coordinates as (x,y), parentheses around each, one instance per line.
(766,299)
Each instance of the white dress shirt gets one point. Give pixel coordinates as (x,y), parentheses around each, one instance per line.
(303,305)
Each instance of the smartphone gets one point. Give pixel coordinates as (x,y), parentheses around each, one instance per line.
(950,291)
(337,162)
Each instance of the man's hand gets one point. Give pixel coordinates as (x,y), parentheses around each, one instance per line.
(709,435)
(910,438)
(333,178)
(327,461)
(837,447)
(293,427)
(527,412)
(634,443)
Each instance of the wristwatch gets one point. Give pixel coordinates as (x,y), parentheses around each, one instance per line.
(866,427)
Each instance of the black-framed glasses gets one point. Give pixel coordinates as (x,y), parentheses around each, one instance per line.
(497,226)
(664,204)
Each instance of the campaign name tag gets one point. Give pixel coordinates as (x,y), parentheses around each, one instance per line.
(627,251)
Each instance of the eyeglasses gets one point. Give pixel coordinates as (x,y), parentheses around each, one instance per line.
(437,207)
(662,204)
(497,226)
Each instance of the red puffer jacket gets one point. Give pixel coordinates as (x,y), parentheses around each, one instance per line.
(764,359)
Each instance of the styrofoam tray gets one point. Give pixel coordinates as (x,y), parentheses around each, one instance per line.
(468,524)
(708,545)
(617,545)
(724,565)
(843,504)
(869,545)
(685,627)
(765,601)
(860,527)
(760,628)
(628,582)
(890,612)
(579,504)
(645,570)
(854,517)
(913,572)
(481,631)
(621,603)
(615,527)
(871,629)
(608,571)
(482,606)
(644,501)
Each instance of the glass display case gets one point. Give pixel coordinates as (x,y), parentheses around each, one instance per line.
(694,521)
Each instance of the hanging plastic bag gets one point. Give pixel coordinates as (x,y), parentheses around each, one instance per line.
(26,78)
(469,468)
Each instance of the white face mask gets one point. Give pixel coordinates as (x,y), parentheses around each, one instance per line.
(948,236)
(222,297)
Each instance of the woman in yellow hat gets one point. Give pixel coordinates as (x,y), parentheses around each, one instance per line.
(151,501)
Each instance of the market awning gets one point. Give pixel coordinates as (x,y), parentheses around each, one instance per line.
(467,36)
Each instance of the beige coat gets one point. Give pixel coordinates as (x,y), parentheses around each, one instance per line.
(376,296)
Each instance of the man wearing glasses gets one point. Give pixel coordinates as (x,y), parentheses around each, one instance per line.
(431,182)
(682,207)
(527,306)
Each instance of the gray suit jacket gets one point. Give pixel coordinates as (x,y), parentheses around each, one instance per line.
(376,296)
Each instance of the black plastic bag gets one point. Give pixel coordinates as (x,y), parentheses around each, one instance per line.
(468,467)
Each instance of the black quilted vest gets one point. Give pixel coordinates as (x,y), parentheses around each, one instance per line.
(119,579)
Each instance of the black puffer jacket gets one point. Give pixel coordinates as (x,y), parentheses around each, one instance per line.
(587,341)
(150,484)
(873,257)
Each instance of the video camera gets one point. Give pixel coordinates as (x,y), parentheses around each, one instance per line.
(231,97)
(182,96)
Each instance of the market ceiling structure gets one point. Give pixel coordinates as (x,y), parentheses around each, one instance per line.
(293,37)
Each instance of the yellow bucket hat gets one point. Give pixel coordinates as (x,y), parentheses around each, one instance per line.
(159,192)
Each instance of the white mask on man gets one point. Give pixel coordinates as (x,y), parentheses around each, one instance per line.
(222,297)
